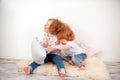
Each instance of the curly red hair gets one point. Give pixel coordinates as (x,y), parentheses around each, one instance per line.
(56,26)
(61,30)
(66,33)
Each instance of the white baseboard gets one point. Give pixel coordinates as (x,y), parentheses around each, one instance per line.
(18,57)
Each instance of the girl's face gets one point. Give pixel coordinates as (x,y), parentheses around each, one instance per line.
(47,25)
(63,41)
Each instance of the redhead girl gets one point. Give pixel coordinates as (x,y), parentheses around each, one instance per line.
(52,28)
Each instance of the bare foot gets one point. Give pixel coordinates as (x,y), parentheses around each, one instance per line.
(81,68)
(71,63)
(27,70)
(62,73)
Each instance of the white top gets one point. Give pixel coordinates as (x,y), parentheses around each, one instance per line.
(75,49)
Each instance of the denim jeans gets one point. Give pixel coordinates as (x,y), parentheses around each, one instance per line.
(78,58)
(67,58)
(56,59)
(33,66)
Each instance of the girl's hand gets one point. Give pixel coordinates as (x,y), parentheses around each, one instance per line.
(49,50)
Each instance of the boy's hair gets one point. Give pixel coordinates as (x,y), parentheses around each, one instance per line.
(61,30)
(66,34)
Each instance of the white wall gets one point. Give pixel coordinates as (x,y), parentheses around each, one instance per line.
(95,23)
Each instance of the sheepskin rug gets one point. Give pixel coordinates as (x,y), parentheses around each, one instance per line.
(95,69)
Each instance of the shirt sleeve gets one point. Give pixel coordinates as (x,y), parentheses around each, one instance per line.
(70,44)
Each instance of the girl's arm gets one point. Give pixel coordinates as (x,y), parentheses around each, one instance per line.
(58,47)
(61,47)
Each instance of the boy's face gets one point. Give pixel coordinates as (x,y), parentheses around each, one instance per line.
(47,25)
(63,41)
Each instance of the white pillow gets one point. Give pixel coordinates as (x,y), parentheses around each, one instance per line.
(38,52)
(90,51)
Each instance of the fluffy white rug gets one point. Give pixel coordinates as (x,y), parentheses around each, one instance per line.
(95,69)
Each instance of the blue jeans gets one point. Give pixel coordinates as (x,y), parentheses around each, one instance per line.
(56,59)
(67,58)
(78,58)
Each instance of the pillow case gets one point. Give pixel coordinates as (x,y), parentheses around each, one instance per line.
(90,51)
(38,52)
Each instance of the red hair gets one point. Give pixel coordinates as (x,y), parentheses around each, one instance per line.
(56,26)
(66,34)
(61,30)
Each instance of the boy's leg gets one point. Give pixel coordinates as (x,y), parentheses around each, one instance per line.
(69,60)
(77,59)
(60,65)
